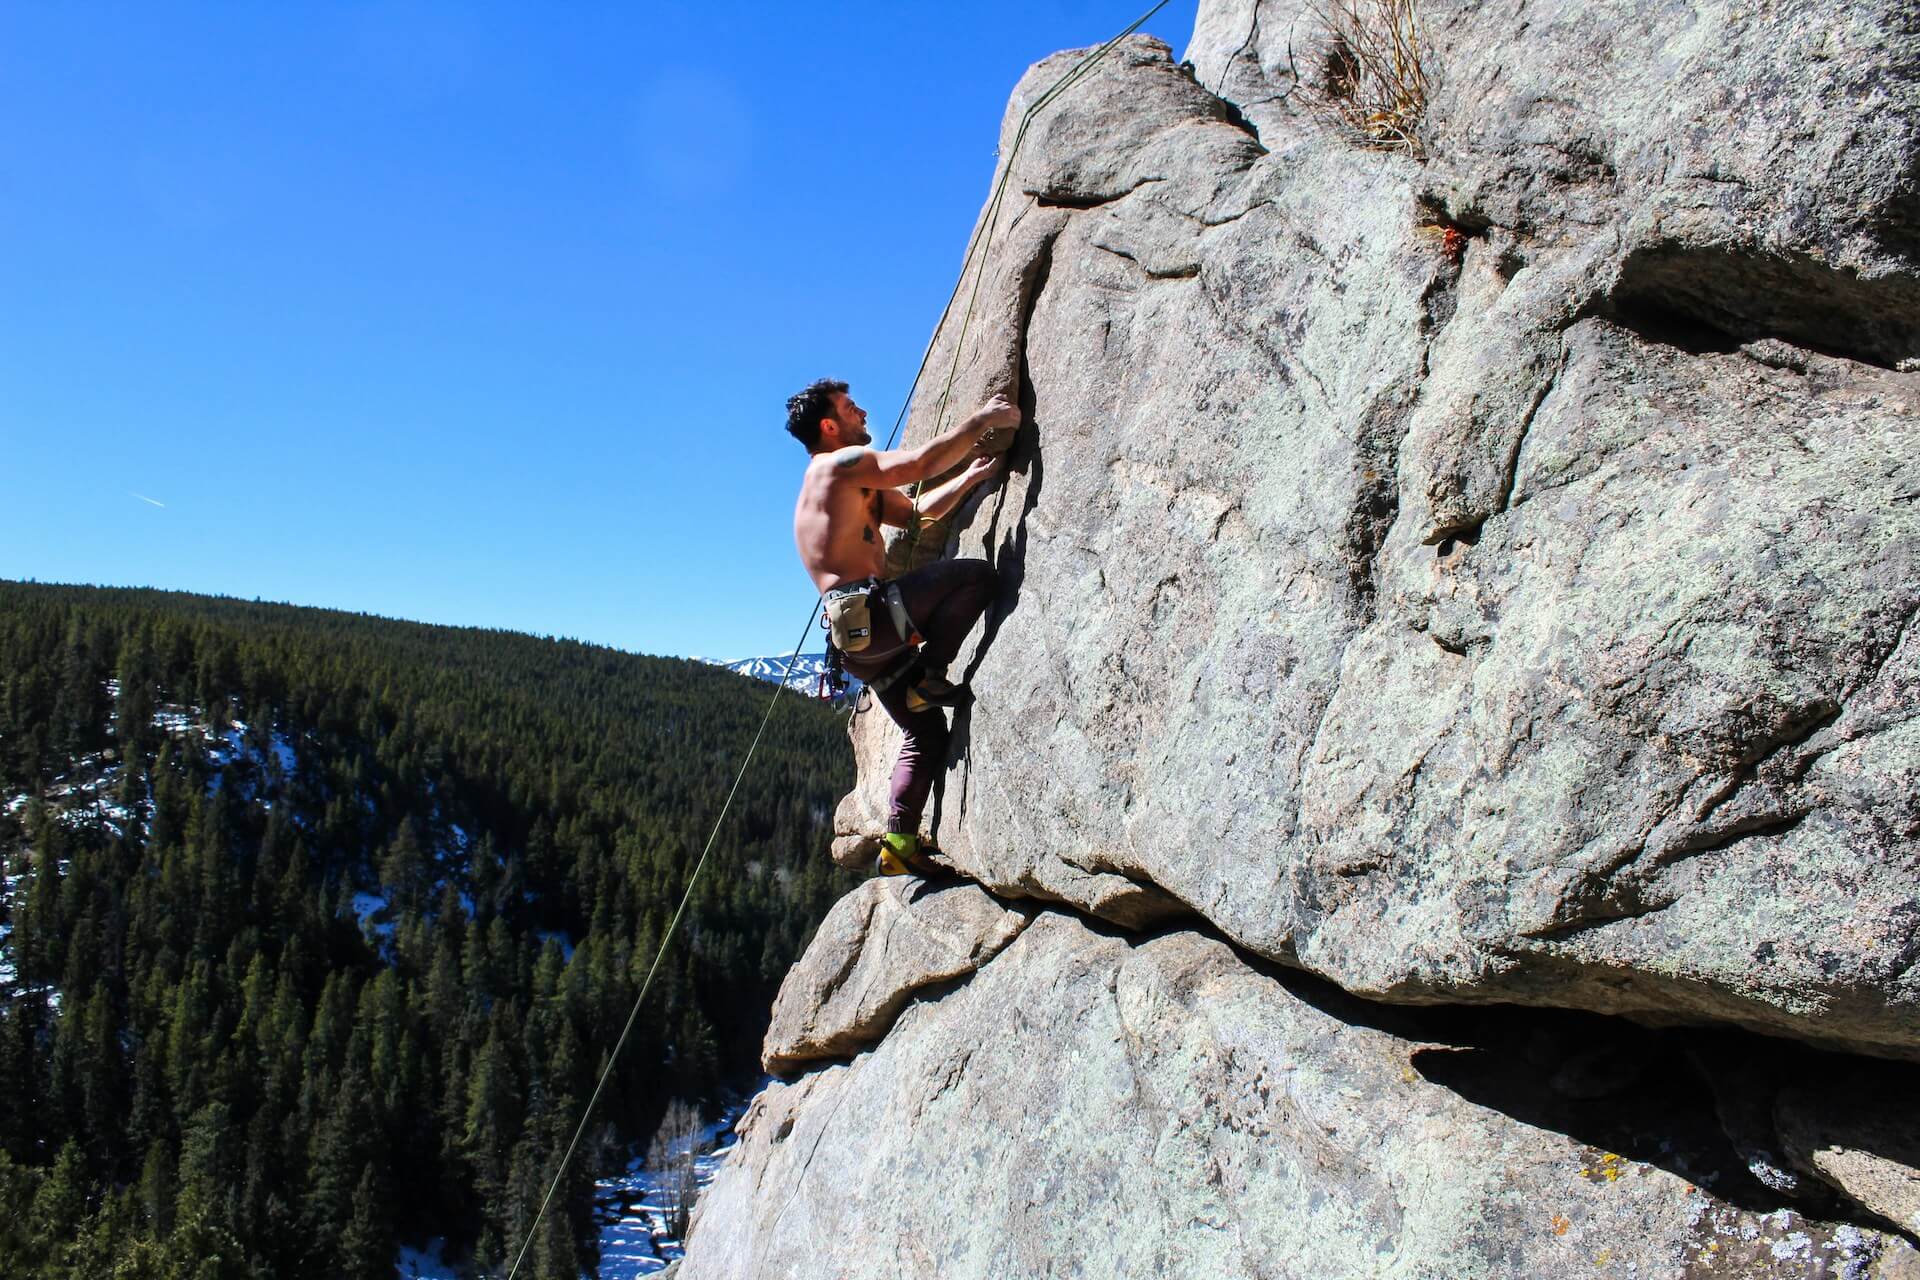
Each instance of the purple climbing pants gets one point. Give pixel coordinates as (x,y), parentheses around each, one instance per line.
(944,600)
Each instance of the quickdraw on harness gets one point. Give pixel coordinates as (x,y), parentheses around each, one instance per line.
(832,684)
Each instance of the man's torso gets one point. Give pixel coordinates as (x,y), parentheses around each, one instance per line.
(836,527)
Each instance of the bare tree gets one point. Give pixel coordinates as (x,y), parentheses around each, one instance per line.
(677,1145)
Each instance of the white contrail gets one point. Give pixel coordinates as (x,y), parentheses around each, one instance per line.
(144,498)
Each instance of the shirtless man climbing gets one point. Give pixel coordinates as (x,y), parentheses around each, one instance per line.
(849,491)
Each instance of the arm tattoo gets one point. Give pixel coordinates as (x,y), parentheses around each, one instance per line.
(849,457)
(867,533)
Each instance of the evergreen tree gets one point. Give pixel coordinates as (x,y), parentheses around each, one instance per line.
(59,1204)
(367,1244)
(20,1244)
(213,1069)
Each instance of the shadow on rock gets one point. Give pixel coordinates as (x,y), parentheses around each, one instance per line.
(1622,1090)
(1010,563)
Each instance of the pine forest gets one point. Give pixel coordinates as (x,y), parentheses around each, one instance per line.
(319,927)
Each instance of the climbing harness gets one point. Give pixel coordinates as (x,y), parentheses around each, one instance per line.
(849,618)
(908,665)
(980,248)
(849,623)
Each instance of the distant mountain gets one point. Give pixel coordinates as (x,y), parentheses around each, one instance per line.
(802,674)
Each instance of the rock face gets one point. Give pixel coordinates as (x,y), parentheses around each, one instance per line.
(1484,579)
(878,946)
(1863,1138)
(1089,1105)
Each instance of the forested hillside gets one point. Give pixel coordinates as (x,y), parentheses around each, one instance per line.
(318,927)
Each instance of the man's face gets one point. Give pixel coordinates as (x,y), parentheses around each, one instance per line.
(851,418)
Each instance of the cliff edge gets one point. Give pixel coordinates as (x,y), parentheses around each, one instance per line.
(1435,580)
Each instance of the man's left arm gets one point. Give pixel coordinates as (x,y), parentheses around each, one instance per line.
(938,501)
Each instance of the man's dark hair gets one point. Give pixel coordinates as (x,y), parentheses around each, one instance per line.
(805,410)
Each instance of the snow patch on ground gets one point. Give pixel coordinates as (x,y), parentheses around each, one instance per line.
(426,1264)
(235,746)
(112,818)
(176,719)
(632,1210)
(9,972)
(80,801)
(368,905)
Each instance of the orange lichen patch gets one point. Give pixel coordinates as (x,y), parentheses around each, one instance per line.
(1560,1224)
(1453,241)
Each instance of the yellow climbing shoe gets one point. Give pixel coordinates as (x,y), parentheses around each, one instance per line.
(901,855)
(934,690)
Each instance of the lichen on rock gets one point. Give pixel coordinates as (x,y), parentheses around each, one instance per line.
(878,946)
(1481,580)
(1089,1104)
(1420,571)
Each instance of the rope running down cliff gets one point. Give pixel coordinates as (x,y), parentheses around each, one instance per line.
(1058,87)
(980,250)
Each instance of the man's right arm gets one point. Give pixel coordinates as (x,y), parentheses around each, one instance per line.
(892,468)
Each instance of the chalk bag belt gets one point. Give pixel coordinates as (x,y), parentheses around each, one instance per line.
(889,594)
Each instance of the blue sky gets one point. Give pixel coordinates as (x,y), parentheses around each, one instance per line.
(475,314)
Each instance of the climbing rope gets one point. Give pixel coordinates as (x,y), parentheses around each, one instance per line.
(980,249)
(1058,87)
(659,955)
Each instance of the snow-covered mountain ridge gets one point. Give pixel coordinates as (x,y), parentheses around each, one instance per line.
(800,673)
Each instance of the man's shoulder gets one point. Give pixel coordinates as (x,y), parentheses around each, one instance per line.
(824,477)
(832,468)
